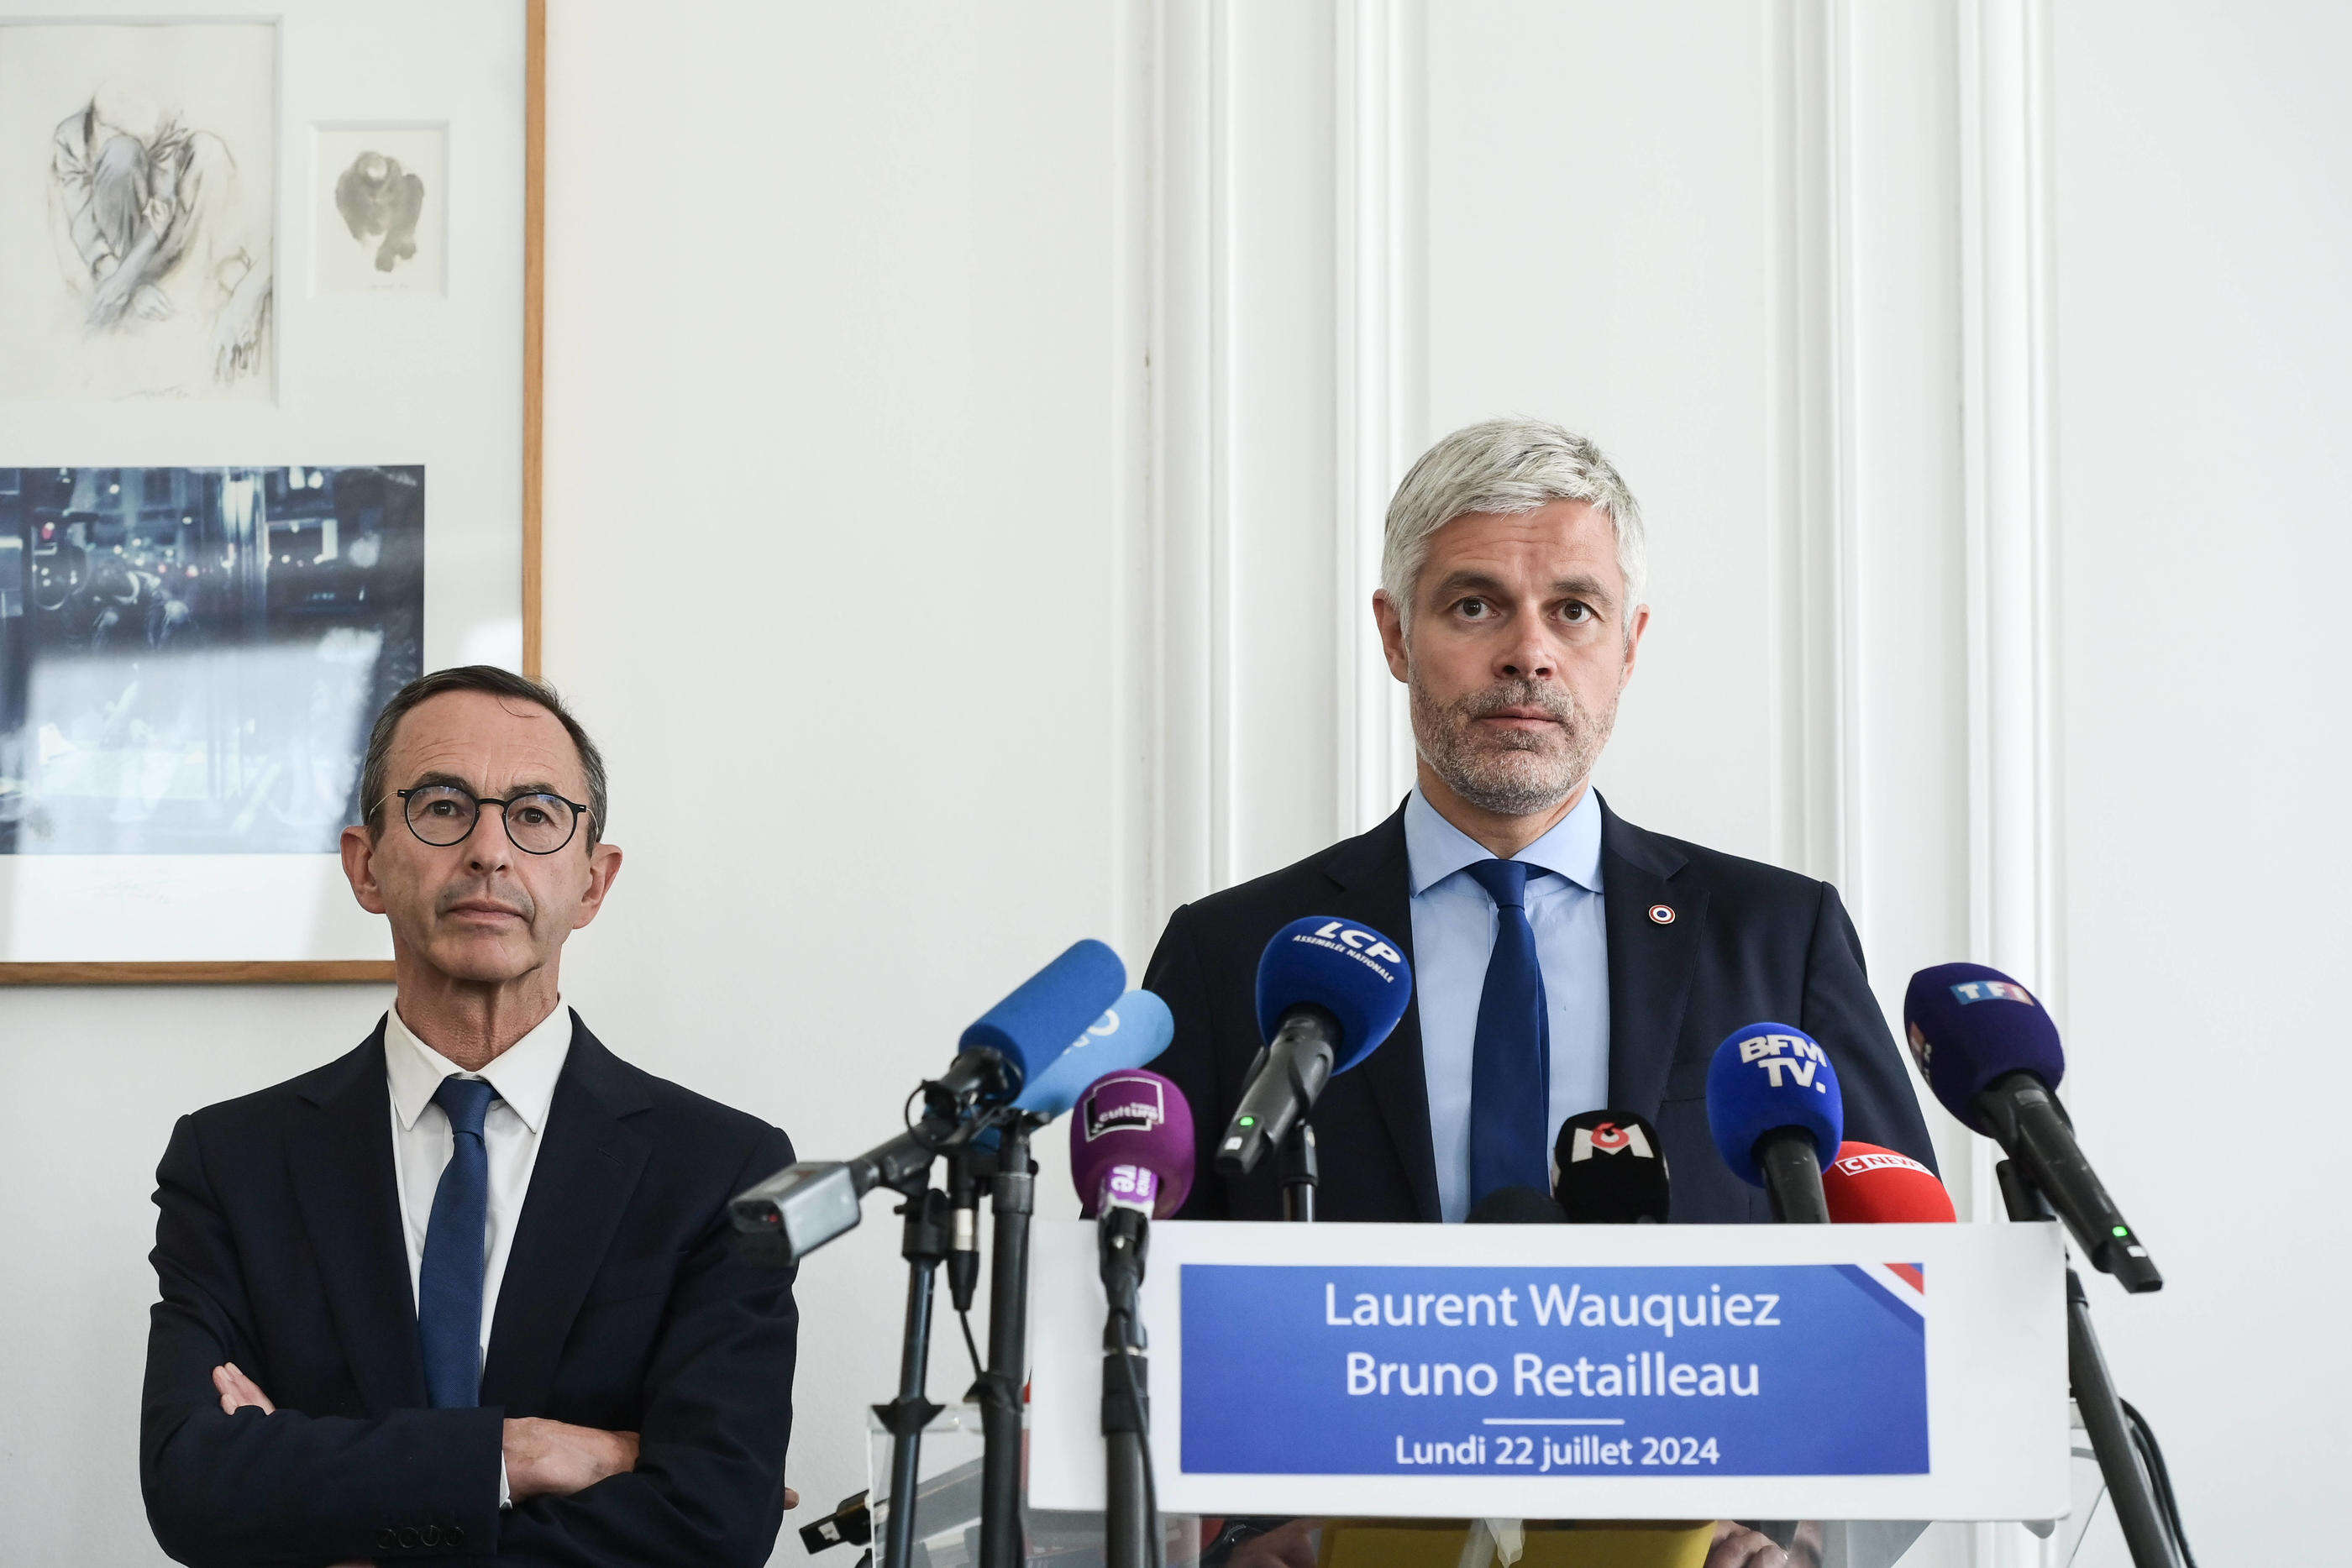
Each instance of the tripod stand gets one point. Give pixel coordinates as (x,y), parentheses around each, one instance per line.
(2145,1529)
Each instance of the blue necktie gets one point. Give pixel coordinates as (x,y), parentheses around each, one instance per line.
(449,1284)
(1510,1061)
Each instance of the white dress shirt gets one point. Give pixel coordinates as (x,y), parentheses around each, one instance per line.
(1454,921)
(524,1076)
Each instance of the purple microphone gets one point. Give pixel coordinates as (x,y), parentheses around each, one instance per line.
(1131,1145)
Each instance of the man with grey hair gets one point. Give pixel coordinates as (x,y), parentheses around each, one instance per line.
(1564,960)
(469,1290)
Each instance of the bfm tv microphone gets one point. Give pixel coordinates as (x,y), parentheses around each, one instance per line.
(800,1208)
(1992,1055)
(1328,992)
(1773,1105)
(1867,1185)
(1608,1169)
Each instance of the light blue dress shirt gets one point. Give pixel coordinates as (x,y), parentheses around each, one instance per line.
(1453,934)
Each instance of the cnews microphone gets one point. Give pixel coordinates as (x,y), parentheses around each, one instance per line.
(1607,1169)
(1517,1206)
(1992,1055)
(800,1208)
(1867,1185)
(1131,1157)
(1328,992)
(1773,1105)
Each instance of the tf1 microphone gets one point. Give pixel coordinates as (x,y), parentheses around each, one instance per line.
(1608,1169)
(1328,992)
(801,1207)
(1132,1156)
(1992,1055)
(1517,1206)
(1867,1185)
(1772,1103)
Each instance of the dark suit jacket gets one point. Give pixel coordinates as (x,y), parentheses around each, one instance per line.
(279,1248)
(1747,942)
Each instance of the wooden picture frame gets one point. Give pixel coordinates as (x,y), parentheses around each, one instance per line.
(213,971)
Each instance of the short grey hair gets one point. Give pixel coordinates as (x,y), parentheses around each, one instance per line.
(376,770)
(1508,465)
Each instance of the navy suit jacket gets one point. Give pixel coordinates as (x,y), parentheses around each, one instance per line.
(279,1248)
(1745,942)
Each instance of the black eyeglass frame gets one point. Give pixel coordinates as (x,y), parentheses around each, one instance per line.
(579,811)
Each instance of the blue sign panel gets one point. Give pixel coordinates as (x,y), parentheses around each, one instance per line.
(1816,1369)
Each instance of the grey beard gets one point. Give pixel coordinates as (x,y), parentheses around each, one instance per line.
(1514,774)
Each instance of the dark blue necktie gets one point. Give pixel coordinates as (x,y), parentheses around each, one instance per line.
(1510,1063)
(449,1284)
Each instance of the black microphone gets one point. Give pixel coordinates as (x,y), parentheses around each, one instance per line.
(1517,1206)
(1328,992)
(1608,1169)
(1992,1055)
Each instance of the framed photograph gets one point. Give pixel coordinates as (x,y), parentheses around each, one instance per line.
(270,391)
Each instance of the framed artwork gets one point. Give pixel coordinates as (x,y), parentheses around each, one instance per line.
(270,387)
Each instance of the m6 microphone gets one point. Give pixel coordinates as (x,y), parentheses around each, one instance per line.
(801,1207)
(1992,1055)
(1867,1185)
(1608,1169)
(1516,1206)
(1328,992)
(1772,1103)
(1131,1158)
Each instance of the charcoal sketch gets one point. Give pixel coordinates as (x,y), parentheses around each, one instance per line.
(156,206)
(378,198)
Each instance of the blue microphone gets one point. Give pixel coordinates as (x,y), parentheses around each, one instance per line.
(1329,991)
(1992,1055)
(1022,1036)
(1135,1030)
(1773,1106)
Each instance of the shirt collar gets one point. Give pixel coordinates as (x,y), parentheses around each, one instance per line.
(1435,849)
(524,1073)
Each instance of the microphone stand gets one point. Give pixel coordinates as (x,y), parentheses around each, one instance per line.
(1130,1516)
(1300,1173)
(999,1390)
(923,1244)
(2144,1531)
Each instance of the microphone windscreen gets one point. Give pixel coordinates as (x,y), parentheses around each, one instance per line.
(1769,1076)
(1052,1008)
(1608,1169)
(1867,1185)
(1517,1206)
(1970,1024)
(1353,970)
(1126,1123)
(1137,1029)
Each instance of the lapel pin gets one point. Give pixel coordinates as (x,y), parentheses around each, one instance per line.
(1662,913)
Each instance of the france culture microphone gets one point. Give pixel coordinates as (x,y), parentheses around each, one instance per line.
(1992,1055)
(1608,1169)
(1772,1103)
(800,1208)
(1328,992)
(1867,1185)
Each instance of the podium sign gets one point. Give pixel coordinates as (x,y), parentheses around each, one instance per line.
(1887,1371)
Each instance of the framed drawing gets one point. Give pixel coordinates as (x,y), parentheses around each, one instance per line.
(270,390)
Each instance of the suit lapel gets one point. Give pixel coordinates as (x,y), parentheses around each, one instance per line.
(1375,889)
(589,1162)
(340,1155)
(1651,959)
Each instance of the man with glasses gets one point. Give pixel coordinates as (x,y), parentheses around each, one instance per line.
(467,1291)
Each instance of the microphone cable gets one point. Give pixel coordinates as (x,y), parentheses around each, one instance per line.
(2159,1479)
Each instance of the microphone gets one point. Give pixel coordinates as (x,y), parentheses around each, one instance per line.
(1867,1185)
(793,1213)
(1517,1206)
(1607,1169)
(1131,1157)
(1992,1055)
(1772,1103)
(1328,992)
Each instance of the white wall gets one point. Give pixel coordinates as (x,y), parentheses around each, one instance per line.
(1031,379)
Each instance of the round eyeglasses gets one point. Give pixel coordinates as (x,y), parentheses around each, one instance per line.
(444,814)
